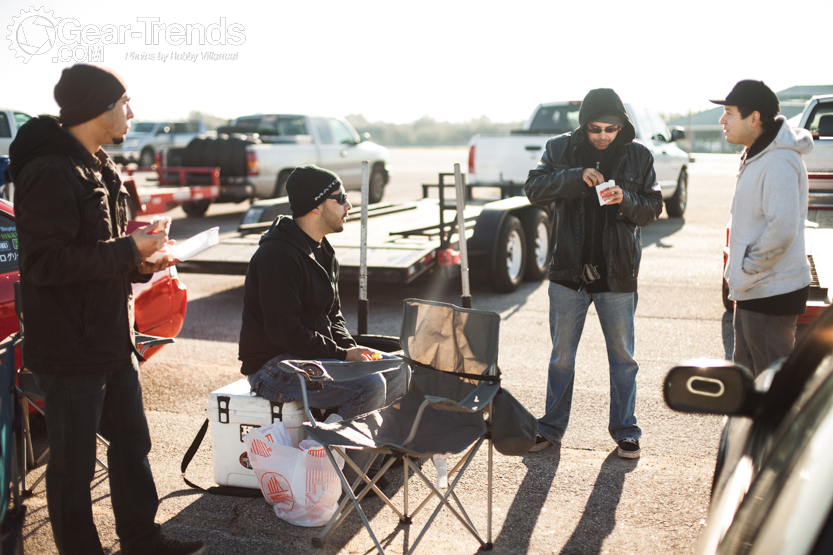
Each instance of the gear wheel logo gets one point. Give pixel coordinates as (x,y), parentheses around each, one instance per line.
(32,33)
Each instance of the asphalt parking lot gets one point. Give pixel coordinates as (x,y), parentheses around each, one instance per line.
(579,498)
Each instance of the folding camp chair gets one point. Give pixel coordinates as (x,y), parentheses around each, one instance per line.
(452,352)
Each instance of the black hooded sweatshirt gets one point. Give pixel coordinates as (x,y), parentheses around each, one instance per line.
(76,264)
(558,181)
(290,301)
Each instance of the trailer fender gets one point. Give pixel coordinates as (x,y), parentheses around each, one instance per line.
(483,242)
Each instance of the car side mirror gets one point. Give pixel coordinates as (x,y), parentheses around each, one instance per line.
(365,136)
(708,386)
(677,134)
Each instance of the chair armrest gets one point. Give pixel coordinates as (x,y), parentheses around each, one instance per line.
(475,401)
(144,342)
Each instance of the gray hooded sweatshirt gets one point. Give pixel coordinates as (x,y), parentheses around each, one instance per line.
(767,256)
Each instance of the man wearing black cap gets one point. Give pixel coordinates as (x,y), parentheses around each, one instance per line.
(767,271)
(76,269)
(595,255)
(291,306)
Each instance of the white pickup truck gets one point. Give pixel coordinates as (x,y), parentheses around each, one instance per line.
(145,138)
(10,122)
(257,153)
(504,161)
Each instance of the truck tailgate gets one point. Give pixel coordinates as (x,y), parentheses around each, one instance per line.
(506,159)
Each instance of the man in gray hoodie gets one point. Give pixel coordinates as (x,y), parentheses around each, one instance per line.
(767,272)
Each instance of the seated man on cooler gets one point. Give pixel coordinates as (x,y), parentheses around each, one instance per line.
(291,308)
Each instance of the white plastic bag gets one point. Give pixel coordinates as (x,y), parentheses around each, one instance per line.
(300,483)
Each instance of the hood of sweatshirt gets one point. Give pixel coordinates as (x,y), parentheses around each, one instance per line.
(781,136)
(41,136)
(286,229)
(599,102)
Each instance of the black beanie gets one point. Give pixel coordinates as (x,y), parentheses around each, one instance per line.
(84,92)
(309,186)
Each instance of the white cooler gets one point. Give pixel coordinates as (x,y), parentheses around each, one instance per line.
(232,412)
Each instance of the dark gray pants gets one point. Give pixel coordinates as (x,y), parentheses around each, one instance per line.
(761,339)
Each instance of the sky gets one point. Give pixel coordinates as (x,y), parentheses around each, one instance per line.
(398,61)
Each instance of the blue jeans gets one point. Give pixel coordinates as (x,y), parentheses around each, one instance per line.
(568,311)
(352,398)
(76,407)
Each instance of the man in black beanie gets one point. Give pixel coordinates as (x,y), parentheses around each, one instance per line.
(76,269)
(596,251)
(291,306)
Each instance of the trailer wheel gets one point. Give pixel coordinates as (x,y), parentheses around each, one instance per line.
(196,208)
(537,230)
(147,157)
(376,186)
(280,185)
(510,256)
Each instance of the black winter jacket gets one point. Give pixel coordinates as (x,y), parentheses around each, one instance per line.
(76,264)
(290,302)
(557,180)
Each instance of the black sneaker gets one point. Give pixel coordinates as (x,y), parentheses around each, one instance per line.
(628,448)
(170,546)
(381,483)
(540,443)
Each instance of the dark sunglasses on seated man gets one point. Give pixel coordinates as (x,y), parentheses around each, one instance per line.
(340,198)
(593,130)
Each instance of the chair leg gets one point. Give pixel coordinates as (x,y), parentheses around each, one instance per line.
(28,450)
(349,492)
(105,443)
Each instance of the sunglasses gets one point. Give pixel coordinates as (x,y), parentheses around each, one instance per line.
(597,130)
(340,198)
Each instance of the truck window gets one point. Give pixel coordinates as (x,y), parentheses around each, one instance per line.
(820,122)
(292,125)
(341,134)
(5,129)
(324,134)
(181,128)
(660,129)
(20,118)
(8,245)
(142,127)
(555,119)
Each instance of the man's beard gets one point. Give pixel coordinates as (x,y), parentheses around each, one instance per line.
(117,140)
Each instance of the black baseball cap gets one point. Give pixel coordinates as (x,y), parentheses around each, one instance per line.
(753,95)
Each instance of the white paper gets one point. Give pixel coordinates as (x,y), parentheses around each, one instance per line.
(190,247)
(604,187)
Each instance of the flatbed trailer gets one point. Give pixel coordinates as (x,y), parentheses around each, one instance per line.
(508,239)
(163,196)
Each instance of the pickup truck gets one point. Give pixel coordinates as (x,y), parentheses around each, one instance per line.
(504,161)
(145,138)
(257,153)
(10,122)
(817,118)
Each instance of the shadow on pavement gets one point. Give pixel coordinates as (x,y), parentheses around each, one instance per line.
(522,516)
(599,516)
